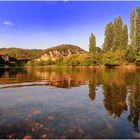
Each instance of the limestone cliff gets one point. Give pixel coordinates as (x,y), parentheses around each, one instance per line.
(60,51)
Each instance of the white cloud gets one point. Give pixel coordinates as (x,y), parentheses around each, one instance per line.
(8,23)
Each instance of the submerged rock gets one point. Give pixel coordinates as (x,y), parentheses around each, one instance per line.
(44,136)
(27,137)
(50,118)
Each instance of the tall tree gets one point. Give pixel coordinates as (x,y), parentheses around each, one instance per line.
(125,37)
(118,32)
(132,29)
(109,37)
(138,28)
(92,43)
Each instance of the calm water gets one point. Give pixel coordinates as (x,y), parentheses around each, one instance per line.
(69,103)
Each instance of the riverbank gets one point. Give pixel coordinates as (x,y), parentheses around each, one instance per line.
(129,66)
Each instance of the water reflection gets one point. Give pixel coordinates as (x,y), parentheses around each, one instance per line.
(112,92)
(117,87)
(64,78)
(134,104)
(134,110)
(115,93)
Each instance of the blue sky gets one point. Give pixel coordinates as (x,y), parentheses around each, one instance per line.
(43,24)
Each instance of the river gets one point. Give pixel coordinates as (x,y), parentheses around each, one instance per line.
(55,102)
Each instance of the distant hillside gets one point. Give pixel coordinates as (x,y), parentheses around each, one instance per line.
(20,53)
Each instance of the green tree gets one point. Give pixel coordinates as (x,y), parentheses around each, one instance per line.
(109,37)
(125,37)
(131,54)
(118,32)
(1,60)
(132,29)
(92,43)
(112,59)
(138,28)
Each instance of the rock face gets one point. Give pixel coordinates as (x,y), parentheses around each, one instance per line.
(60,51)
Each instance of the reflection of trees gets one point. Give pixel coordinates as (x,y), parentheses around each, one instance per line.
(115,99)
(115,92)
(117,85)
(95,78)
(92,86)
(134,102)
(12,75)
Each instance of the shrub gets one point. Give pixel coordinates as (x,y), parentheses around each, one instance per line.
(131,55)
(59,61)
(49,62)
(114,58)
(137,61)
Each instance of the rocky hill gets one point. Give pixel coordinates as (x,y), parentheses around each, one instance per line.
(60,51)
(18,56)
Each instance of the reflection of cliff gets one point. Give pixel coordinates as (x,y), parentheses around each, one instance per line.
(65,83)
(64,78)
(70,77)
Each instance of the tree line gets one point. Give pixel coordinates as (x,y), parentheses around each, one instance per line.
(118,41)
